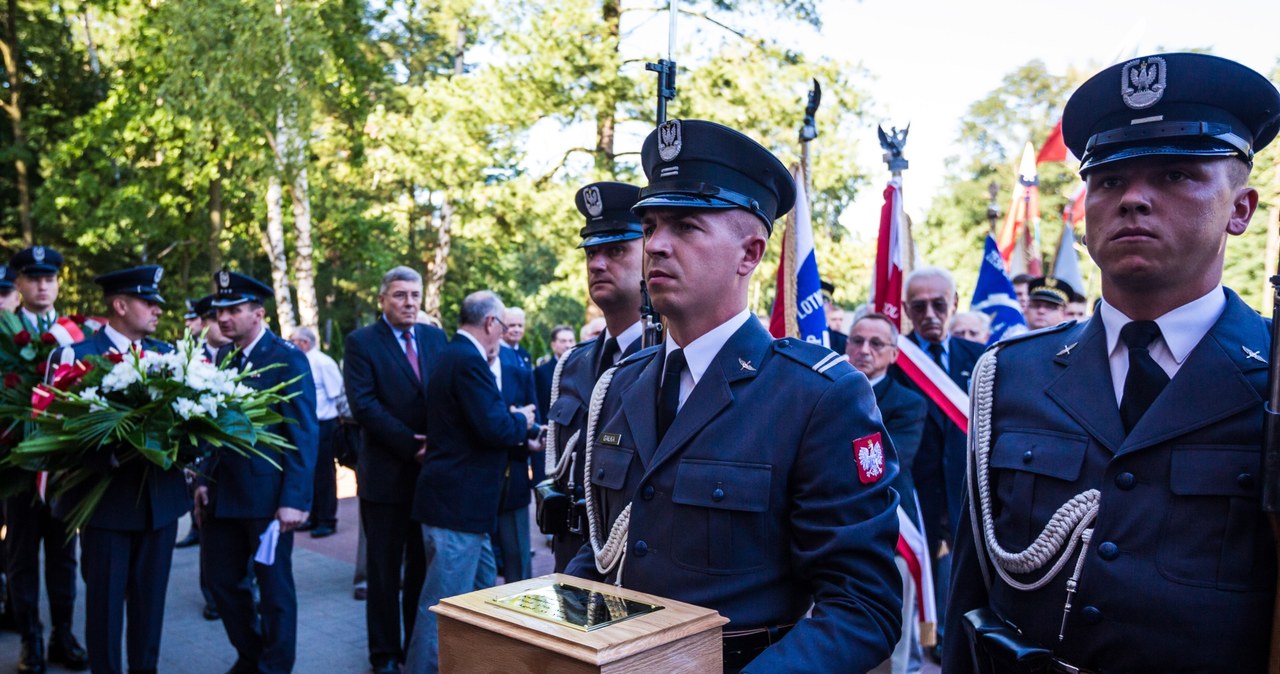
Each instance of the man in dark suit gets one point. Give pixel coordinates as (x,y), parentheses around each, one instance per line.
(511,539)
(514,319)
(387,366)
(754,473)
(562,340)
(245,498)
(472,431)
(612,248)
(28,516)
(938,469)
(872,347)
(126,547)
(1140,431)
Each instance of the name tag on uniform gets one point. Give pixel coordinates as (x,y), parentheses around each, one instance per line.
(614,439)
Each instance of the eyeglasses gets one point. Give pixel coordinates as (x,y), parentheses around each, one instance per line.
(499,321)
(875,344)
(939,304)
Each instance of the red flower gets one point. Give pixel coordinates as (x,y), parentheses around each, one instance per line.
(41,368)
(78,319)
(115,357)
(12,380)
(67,375)
(23,338)
(41,399)
(48,338)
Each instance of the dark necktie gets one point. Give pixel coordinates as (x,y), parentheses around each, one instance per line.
(606,358)
(1146,378)
(411,354)
(669,395)
(935,349)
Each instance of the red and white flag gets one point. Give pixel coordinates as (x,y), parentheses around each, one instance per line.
(887,285)
(1019,237)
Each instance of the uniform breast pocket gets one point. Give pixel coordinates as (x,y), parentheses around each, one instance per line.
(609,466)
(564,411)
(1035,473)
(721,514)
(1214,534)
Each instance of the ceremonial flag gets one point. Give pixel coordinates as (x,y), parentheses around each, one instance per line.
(994,295)
(1066,264)
(1073,212)
(887,285)
(1055,149)
(933,381)
(797,306)
(1019,236)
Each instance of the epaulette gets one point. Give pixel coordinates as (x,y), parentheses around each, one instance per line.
(1022,337)
(820,359)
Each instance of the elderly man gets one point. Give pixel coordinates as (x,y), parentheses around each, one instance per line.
(473,433)
(974,326)
(1138,432)
(331,401)
(514,319)
(775,510)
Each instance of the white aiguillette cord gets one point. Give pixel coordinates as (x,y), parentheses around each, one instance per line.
(611,553)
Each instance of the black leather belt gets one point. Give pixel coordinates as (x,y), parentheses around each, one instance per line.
(740,648)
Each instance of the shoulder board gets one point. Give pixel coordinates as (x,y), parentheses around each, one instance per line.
(586,342)
(641,356)
(818,358)
(1026,336)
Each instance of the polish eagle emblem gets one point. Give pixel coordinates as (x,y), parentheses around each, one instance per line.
(670,140)
(159,274)
(869,453)
(591,197)
(1143,81)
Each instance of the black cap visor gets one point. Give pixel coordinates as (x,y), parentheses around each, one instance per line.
(601,238)
(39,270)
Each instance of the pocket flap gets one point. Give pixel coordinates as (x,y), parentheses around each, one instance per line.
(1216,471)
(724,485)
(564,410)
(1057,455)
(609,465)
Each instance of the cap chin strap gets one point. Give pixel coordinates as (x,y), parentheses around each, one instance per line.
(707,191)
(1170,130)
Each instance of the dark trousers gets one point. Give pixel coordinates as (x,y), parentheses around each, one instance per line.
(393,539)
(512,545)
(566,547)
(125,568)
(324,502)
(30,521)
(266,637)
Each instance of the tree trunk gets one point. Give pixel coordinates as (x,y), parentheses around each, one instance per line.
(303,252)
(439,266)
(606,115)
(10,54)
(275,251)
(214,249)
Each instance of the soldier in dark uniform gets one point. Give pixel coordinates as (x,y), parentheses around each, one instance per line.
(127,545)
(730,470)
(1139,432)
(9,300)
(611,242)
(28,517)
(244,496)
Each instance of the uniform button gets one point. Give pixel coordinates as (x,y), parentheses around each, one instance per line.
(600,474)
(1027,456)
(784,344)
(1108,551)
(1245,480)
(1091,615)
(647,492)
(717,495)
(642,548)
(1126,481)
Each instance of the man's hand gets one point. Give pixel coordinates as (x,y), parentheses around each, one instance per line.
(527,411)
(422,448)
(534,445)
(290,518)
(201,502)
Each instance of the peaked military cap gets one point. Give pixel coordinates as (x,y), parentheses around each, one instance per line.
(37,261)
(1050,289)
(692,163)
(141,282)
(191,312)
(236,289)
(204,307)
(7,277)
(607,207)
(1171,104)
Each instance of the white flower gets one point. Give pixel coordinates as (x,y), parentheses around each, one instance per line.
(91,395)
(209,404)
(184,407)
(121,376)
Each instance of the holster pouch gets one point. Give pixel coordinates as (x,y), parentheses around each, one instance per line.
(551,507)
(999,648)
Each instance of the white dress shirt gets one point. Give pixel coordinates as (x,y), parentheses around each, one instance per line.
(329,391)
(1180,331)
(699,353)
(625,340)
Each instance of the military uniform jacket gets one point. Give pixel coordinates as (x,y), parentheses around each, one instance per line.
(242,487)
(753,504)
(569,413)
(1180,571)
(141,496)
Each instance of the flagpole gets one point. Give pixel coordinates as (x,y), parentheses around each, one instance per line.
(809,131)
(993,207)
(893,143)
